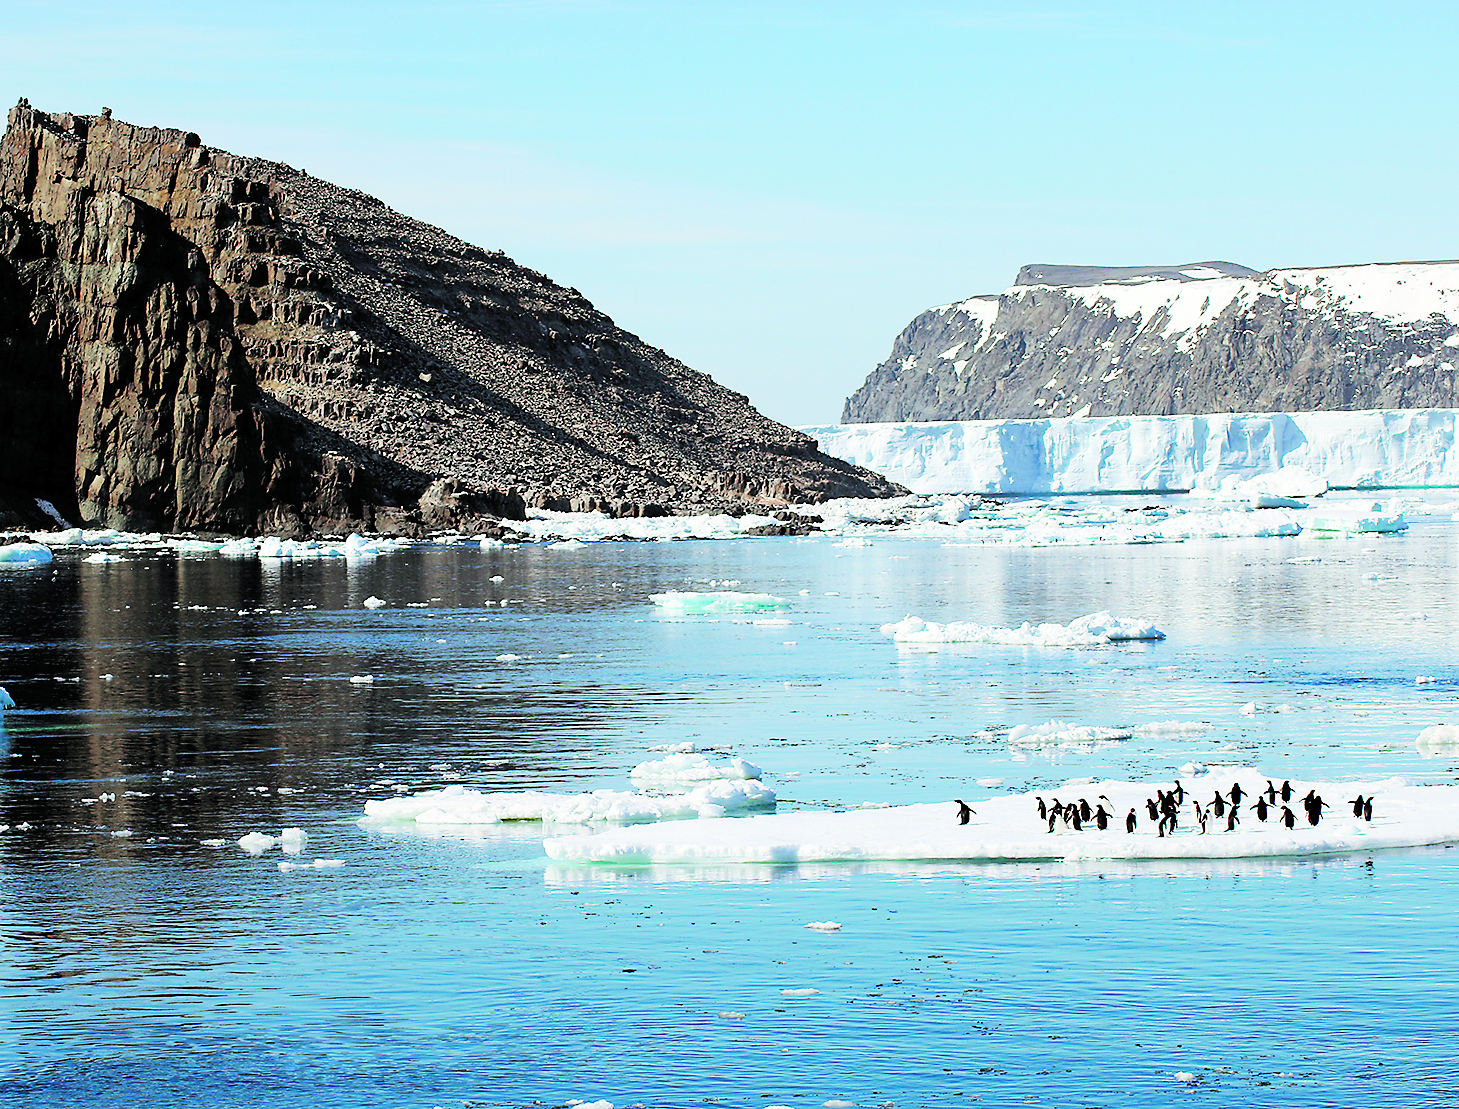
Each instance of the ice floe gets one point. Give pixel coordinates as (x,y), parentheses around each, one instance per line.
(6,702)
(25,554)
(1436,741)
(456,804)
(1096,629)
(1009,828)
(681,768)
(1063,735)
(717,602)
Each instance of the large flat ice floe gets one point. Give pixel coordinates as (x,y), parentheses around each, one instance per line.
(716,602)
(1009,828)
(1096,629)
(1150,454)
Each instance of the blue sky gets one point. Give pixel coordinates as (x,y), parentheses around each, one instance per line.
(770,192)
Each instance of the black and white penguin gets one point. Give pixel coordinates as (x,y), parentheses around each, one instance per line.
(1368,809)
(1179,793)
(1271,792)
(1260,807)
(1314,809)
(1075,819)
(1286,792)
(1130,821)
(1232,819)
(1288,818)
(1200,816)
(1085,812)
(1154,812)
(1357,804)
(1053,819)
(1235,793)
(1218,805)
(963,812)
(1101,819)
(1043,809)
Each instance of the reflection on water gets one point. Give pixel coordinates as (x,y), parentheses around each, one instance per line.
(456,965)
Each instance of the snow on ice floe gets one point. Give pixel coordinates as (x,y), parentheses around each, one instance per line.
(716,602)
(1096,629)
(456,804)
(25,554)
(681,768)
(1063,735)
(1436,741)
(1009,828)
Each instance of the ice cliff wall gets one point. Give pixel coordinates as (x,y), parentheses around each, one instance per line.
(192,339)
(1203,338)
(1148,454)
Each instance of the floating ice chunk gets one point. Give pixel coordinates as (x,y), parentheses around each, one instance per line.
(674,748)
(1438,741)
(687,603)
(358,547)
(456,804)
(771,622)
(678,769)
(508,658)
(293,840)
(799,993)
(1157,728)
(6,702)
(317,864)
(1096,629)
(990,783)
(496,577)
(1375,519)
(25,554)
(1063,734)
(591,1104)
(256,843)
(1287,487)
(1425,679)
(838,1103)
(824,926)
(122,833)
(731,1015)
(374,602)
(103,556)
(214,842)
(1184,1076)
(1251,708)
(363,679)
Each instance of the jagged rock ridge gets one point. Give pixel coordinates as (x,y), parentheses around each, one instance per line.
(192,339)
(1202,338)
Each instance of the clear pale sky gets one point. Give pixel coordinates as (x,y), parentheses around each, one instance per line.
(770,192)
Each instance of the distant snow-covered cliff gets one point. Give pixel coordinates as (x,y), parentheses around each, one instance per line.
(1372,449)
(1207,337)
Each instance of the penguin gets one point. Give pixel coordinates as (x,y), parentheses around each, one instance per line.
(1179,793)
(1053,819)
(1286,792)
(1218,805)
(1236,792)
(1160,828)
(1085,812)
(1288,817)
(1357,804)
(1056,809)
(1043,809)
(1130,822)
(1271,792)
(1154,812)
(1077,821)
(1368,810)
(1260,807)
(1314,810)
(1200,817)
(1232,819)
(1101,819)
(963,812)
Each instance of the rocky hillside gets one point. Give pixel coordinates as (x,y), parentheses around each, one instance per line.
(1203,338)
(192,339)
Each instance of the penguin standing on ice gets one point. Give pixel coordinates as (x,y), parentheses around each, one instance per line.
(1150,805)
(1271,792)
(1314,810)
(1075,819)
(1288,818)
(1368,810)
(1130,822)
(1261,808)
(1218,805)
(1200,816)
(1043,809)
(963,812)
(1236,793)
(1357,804)
(1101,818)
(1286,792)
(1179,793)
(1053,819)
(1232,819)
(1085,812)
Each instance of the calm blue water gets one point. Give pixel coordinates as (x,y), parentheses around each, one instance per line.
(465,969)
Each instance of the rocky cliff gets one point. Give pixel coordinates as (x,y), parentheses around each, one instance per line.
(1203,338)
(195,340)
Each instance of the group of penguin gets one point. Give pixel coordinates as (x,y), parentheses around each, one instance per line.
(1164,809)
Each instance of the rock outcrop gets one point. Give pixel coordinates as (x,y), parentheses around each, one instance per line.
(1204,338)
(195,340)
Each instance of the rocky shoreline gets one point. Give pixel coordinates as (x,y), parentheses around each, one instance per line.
(196,341)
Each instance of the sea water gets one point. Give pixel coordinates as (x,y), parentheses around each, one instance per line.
(169,705)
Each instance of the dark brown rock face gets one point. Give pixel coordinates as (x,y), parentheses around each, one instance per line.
(194,340)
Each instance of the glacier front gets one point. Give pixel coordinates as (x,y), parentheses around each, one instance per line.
(1376,449)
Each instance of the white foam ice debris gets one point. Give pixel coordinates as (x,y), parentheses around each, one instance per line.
(292,840)
(824,926)
(1009,828)
(1371,517)
(363,679)
(25,554)
(678,769)
(272,547)
(318,864)
(256,843)
(1096,629)
(1064,735)
(374,602)
(599,1104)
(799,993)
(1160,728)
(1438,741)
(716,602)
(1382,448)
(456,804)
(684,748)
